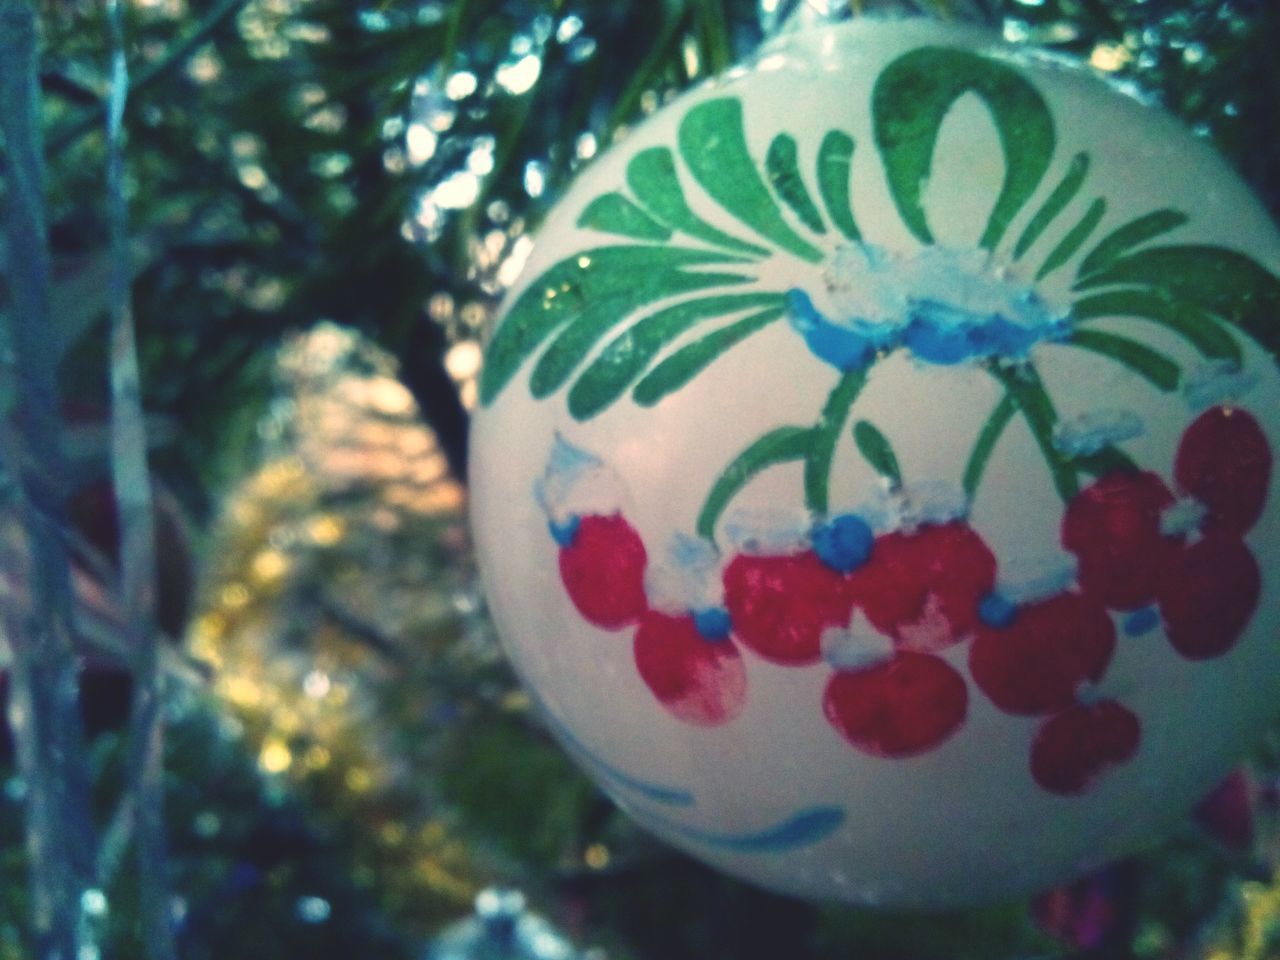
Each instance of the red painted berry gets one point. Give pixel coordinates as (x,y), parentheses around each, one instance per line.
(902,707)
(780,605)
(1208,593)
(1113,528)
(1224,461)
(603,571)
(1074,748)
(700,681)
(1037,664)
(923,588)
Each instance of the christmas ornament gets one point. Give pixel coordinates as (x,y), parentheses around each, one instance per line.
(873,476)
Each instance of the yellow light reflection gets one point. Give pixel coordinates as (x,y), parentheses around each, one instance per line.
(269,566)
(275,756)
(359,780)
(317,758)
(326,529)
(596,856)
(1110,57)
(235,596)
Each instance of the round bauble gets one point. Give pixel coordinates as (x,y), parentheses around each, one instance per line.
(873,474)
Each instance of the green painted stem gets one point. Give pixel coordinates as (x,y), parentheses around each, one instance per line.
(985,445)
(778,446)
(826,432)
(1027,390)
(814,445)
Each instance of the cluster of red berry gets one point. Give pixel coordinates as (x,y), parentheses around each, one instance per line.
(1204,587)
(688,661)
(929,588)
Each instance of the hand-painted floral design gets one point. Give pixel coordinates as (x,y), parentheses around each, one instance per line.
(697,676)
(1224,462)
(1079,744)
(882,602)
(902,707)
(780,605)
(923,587)
(1039,661)
(1114,527)
(602,562)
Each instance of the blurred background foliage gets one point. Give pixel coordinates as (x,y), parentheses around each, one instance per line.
(328,199)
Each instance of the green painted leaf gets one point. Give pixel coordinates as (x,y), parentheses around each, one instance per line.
(580,336)
(574,342)
(628,354)
(686,363)
(1023,384)
(614,213)
(1062,195)
(630,275)
(911,99)
(875,447)
(1075,238)
(826,433)
(1190,322)
(985,445)
(784,175)
(1149,364)
(1124,238)
(835,162)
(778,446)
(651,175)
(714,147)
(1229,285)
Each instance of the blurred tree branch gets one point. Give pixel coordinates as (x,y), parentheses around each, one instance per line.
(44,712)
(144,796)
(181,51)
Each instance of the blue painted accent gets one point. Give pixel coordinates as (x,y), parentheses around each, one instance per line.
(802,829)
(803,314)
(845,543)
(565,533)
(1141,621)
(714,624)
(657,792)
(932,330)
(942,333)
(995,611)
(843,347)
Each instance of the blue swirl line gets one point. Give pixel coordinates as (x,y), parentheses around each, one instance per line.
(657,792)
(801,829)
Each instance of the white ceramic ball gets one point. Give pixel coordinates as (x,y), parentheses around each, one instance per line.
(872,479)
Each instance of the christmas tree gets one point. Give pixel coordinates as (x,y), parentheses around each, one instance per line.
(256,706)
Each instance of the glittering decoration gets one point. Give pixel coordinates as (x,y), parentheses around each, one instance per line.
(324,609)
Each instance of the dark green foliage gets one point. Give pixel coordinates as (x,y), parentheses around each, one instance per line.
(515,790)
